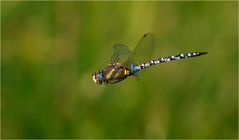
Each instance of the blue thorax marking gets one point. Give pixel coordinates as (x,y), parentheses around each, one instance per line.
(133,69)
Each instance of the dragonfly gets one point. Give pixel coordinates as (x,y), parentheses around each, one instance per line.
(125,63)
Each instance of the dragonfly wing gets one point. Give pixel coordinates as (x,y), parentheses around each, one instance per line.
(143,50)
(120,53)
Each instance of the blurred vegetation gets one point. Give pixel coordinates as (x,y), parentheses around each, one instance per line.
(50,49)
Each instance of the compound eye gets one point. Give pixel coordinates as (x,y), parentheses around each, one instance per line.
(100,74)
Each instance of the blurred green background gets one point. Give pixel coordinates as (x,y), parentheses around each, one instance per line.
(50,49)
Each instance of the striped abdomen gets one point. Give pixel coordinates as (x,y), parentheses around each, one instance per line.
(167,59)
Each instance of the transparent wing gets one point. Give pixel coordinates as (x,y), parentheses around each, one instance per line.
(120,53)
(143,50)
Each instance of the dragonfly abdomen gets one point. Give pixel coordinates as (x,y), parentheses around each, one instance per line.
(169,58)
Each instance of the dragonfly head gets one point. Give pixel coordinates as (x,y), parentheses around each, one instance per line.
(98,77)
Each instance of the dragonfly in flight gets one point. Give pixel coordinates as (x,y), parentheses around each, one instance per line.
(126,63)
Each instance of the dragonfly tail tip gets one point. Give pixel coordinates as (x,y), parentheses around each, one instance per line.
(202,53)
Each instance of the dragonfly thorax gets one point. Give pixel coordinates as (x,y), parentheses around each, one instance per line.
(111,73)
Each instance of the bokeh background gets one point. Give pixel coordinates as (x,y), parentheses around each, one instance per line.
(49,51)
